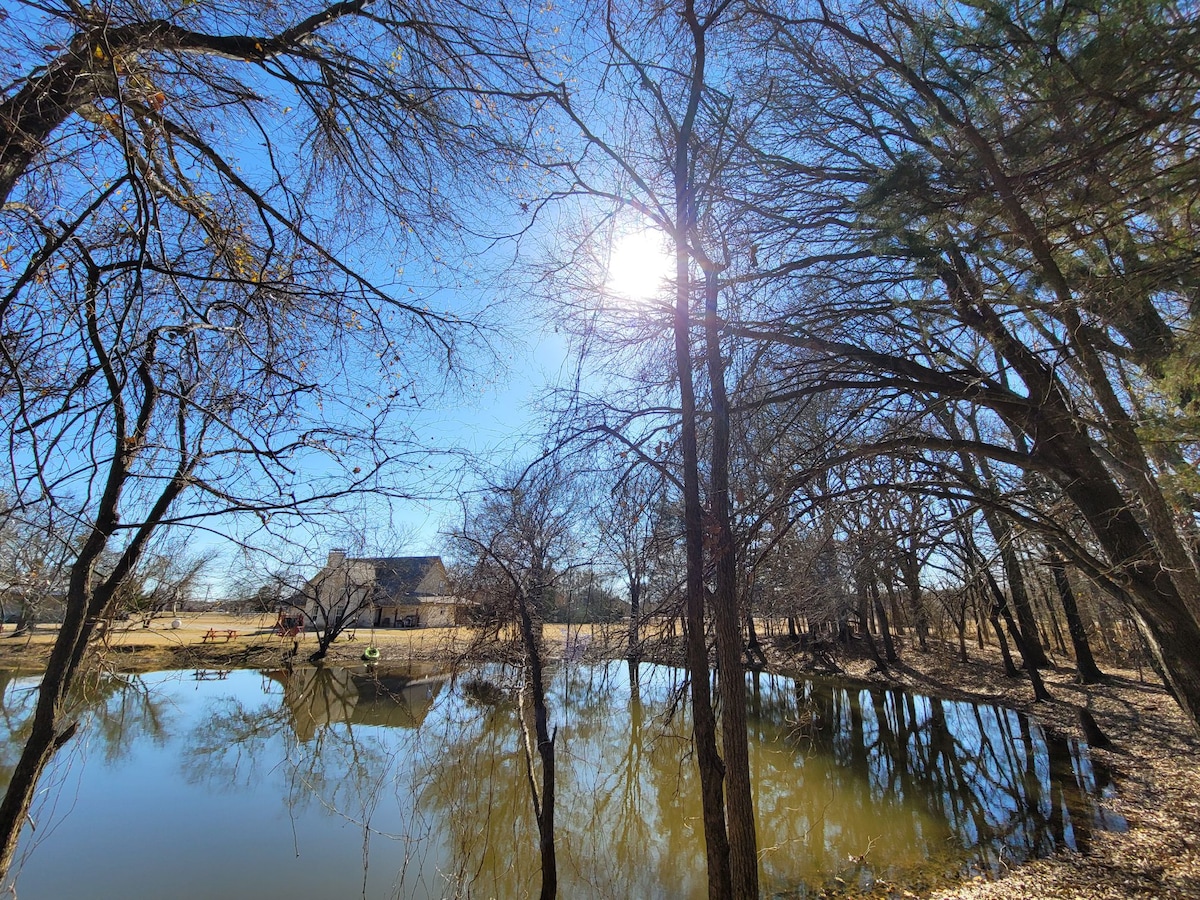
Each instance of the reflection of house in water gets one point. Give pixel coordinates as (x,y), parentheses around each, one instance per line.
(320,697)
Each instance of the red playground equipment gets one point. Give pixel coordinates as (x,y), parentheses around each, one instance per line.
(289,626)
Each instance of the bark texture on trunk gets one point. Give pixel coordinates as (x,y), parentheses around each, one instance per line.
(1085,662)
(739,797)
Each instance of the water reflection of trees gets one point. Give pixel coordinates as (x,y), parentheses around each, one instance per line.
(944,774)
(852,784)
(855,784)
(114,710)
(623,783)
(323,726)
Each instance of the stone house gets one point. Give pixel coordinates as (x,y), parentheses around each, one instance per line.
(381,592)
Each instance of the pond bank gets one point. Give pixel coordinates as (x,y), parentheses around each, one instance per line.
(1152,758)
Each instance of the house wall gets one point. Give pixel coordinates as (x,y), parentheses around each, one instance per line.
(349,584)
(342,585)
(434,584)
(435,613)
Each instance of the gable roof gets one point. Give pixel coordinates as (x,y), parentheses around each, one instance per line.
(407,576)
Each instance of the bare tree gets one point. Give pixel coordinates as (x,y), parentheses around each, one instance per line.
(333,600)
(518,539)
(35,554)
(908,244)
(189,329)
(630,529)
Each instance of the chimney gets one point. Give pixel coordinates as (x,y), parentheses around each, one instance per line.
(336,558)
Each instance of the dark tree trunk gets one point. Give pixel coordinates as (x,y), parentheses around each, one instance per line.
(864,616)
(1085,663)
(754,654)
(88,601)
(1010,669)
(711,767)
(543,798)
(1035,676)
(1030,648)
(889,647)
(1166,611)
(1060,642)
(739,797)
(1161,613)
(633,651)
(704,725)
(912,580)
(980,623)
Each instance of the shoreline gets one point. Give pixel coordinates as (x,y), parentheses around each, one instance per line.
(1151,758)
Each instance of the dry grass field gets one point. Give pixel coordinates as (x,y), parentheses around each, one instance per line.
(220,639)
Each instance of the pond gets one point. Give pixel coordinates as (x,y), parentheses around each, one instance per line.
(412,784)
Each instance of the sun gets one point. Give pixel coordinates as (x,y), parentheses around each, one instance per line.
(639,266)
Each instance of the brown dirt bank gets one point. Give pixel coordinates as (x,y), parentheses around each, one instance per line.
(1154,758)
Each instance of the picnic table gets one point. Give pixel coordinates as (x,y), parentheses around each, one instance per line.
(213,633)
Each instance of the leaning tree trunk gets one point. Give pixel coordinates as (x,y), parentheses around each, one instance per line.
(1162,597)
(1033,650)
(47,732)
(1161,611)
(1010,668)
(88,600)
(1085,663)
(1001,608)
(885,629)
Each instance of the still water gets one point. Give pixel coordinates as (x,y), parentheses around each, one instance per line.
(332,783)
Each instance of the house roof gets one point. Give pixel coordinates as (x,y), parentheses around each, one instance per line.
(404,576)
(395,580)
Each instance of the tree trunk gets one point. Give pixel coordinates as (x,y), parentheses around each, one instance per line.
(704,726)
(45,736)
(543,799)
(1035,676)
(739,797)
(864,616)
(1010,669)
(912,580)
(1030,645)
(754,654)
(1162,597)
(1162,615)
(1060,642)
(977,611)
(1085,663)
(87,601)
(889,647)
(633,651)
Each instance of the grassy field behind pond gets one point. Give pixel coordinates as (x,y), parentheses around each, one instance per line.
(1154,758)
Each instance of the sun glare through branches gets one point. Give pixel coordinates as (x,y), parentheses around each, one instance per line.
(639,266)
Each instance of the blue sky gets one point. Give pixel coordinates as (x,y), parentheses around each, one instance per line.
(492,417)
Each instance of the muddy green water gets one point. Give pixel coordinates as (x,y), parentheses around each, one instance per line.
(411,784)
